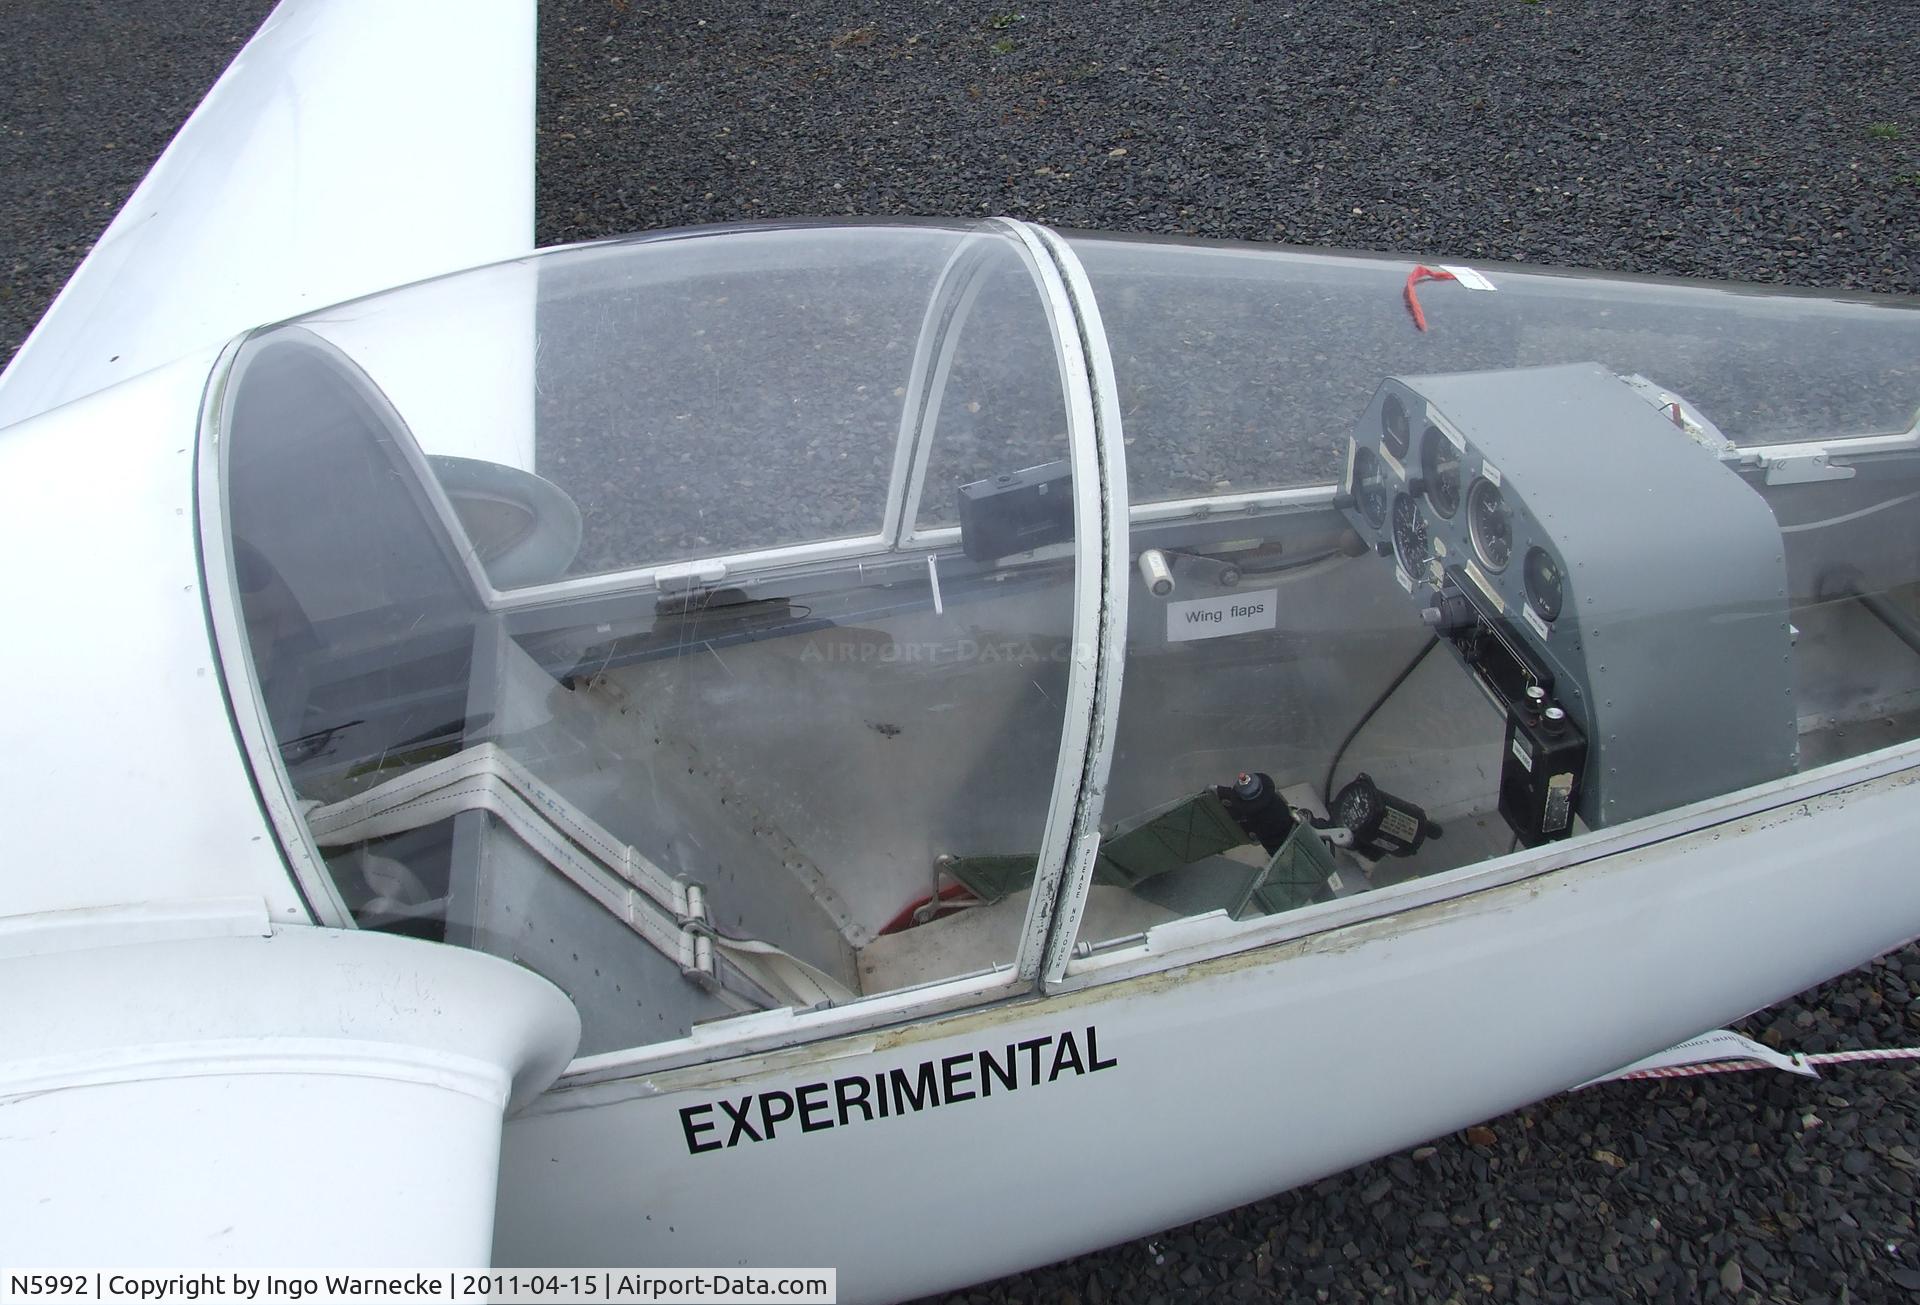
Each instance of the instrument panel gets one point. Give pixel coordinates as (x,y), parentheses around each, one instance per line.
(1536,516)
(1438,503)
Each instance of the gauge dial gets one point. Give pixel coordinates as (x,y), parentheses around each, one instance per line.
(1394,431)
(1355,805)
(1409,534)
(1545,589)
(1490,525)
(1440,466)
(1369,489)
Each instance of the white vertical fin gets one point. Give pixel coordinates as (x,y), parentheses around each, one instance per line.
(351,146)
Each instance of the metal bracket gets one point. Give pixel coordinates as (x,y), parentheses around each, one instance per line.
(1801,468)
(682,577)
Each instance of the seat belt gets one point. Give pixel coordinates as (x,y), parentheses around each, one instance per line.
(1170,855)
(1168,837)
(670,914)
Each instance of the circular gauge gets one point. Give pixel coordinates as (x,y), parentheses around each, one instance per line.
(1394,432)
(1490,525)
(1369,489)
(1544,588)
(1409,534)
(1355,805)
(1440,466)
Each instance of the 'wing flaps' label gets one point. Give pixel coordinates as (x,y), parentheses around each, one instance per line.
(1210,618)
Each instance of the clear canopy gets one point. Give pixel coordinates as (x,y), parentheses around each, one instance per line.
(586,626)
(707,620)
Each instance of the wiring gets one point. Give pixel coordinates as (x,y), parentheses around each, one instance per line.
(1326,787)
(1288,564)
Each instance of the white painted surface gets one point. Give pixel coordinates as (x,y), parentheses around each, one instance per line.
(313,1097)
(464,383)
(1066,839)
(352,145)
(1235,1078)
(123,781)
(1116,583)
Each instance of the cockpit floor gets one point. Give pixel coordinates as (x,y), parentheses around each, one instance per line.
(981,937)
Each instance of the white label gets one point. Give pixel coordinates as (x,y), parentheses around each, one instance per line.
(1520,752)
(1398,825)
(1454,437)
(1210,618)
(1386,456)
(1335,882)
(1467,277)
(1479,578)
(1491,472)
(1540,627)
(1559,808)
(1400,574)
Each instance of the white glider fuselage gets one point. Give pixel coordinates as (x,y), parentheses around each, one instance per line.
(735,747)
(1223,1078)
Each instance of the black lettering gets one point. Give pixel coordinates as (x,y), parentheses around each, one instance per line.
(929,1084)
(807,1107)
(924,1090)
(767,1118)
(1009,1077)
(948,1077)
(1032,1047)
(844,1096)
(694,1146)
(739,1118)
(1095,1064)
(1061,1059)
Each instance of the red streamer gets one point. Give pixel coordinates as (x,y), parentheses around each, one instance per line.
(1422,272)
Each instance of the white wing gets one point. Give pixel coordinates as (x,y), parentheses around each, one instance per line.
(352,145)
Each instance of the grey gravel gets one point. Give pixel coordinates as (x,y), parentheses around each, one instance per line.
(1770,142)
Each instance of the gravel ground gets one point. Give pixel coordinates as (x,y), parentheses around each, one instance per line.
(1769,142)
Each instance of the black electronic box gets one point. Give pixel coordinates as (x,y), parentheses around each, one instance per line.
(1017,511)
(1540,770)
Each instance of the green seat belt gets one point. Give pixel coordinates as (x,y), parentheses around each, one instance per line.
(1144,852)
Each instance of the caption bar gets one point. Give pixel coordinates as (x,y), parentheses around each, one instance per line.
(288,1286)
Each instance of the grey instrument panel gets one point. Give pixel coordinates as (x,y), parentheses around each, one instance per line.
(1622,562)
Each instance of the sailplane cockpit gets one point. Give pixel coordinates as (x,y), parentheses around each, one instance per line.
(731,621)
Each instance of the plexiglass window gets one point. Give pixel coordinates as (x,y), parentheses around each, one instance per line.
(1584,551)
(588,631)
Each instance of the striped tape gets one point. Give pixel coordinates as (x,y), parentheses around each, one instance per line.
(1809,1060)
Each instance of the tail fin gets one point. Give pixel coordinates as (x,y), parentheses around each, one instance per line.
(352,145)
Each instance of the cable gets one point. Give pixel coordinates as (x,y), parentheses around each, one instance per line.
(1326,789)
(1289,564)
